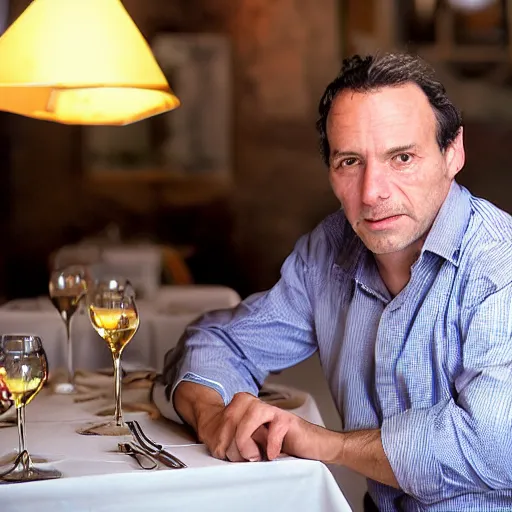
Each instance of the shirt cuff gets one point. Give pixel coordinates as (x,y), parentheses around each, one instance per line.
(407,442)
(164,405)
(164,400)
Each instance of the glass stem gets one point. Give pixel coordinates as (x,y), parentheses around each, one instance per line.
(20,413)
(71,376)
(118,414)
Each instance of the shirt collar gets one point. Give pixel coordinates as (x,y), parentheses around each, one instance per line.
(444,239)
(445,236)
(358,263)
(350,250)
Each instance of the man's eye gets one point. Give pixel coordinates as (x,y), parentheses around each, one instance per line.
(403,158)
(348,162)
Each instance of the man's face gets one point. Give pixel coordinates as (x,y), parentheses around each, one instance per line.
(386,167)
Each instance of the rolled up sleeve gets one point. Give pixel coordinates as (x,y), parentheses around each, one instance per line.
(234,350)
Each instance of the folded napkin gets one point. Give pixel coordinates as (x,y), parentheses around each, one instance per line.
(96,391)
(283,397)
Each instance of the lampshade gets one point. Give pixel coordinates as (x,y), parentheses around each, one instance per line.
(80,62)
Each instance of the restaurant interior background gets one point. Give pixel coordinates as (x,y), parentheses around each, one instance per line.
(236,212)
(233,177)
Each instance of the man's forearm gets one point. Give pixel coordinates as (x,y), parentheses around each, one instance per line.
(362,451)
(191,400)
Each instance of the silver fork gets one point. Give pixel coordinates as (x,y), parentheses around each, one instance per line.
(155,449)
(139,455)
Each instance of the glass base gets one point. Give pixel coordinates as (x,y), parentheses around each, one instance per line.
(104,429)
(24,470)
(10,457)
(63,388)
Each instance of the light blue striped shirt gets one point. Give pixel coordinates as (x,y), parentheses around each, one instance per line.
(431,367)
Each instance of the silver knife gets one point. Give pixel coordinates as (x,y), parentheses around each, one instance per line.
(154,449)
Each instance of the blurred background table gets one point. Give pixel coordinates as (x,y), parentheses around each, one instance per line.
(162,321)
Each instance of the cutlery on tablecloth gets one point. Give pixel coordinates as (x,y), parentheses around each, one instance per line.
(139,455)
(154,449)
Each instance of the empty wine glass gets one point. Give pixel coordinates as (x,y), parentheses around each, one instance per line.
(24,370)
(67,286)
(114,316)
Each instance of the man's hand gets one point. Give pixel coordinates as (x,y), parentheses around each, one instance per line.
(218,430)
(215,424)
(360,451)
(247,429)
(281,431)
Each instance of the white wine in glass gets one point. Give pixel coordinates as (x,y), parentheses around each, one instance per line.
(22,391)
(114,315)
(67,287)
(115,326)
(23,370)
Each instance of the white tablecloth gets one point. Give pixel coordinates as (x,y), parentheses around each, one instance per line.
(98,478)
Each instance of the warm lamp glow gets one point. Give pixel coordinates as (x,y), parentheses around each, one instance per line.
(80,62)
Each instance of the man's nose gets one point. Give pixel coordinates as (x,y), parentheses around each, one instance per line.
(375,185)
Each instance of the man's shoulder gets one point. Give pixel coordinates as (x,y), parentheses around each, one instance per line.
(486,258)
(495,225)
(325,241)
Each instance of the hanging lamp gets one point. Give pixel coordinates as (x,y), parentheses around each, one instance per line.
(80,62)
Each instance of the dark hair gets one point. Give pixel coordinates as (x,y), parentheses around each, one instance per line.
(388,70)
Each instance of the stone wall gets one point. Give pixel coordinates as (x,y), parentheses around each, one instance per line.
(284,53)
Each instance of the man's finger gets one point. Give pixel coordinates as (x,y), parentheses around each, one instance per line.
(260,437)
(233,454)
(255,418)
(277,431)
(223,440)
(250,450)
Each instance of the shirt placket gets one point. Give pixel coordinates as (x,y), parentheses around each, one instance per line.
(389,345)
(364,288)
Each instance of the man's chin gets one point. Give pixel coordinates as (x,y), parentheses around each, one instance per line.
(384,246)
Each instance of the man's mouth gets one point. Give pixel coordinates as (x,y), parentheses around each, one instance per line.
(382,222)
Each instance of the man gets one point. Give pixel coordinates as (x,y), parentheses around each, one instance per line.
(406,293)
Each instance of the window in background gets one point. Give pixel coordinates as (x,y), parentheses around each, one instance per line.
(471,39)
(191,144)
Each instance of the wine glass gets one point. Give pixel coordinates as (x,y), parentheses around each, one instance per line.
(67,286)
(114,315)
(24,370)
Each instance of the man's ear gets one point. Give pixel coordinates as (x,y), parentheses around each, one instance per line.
(454,155)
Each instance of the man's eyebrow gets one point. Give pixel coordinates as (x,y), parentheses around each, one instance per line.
(337,154)
(400,149)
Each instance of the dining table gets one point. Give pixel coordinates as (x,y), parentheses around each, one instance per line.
(97,477)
